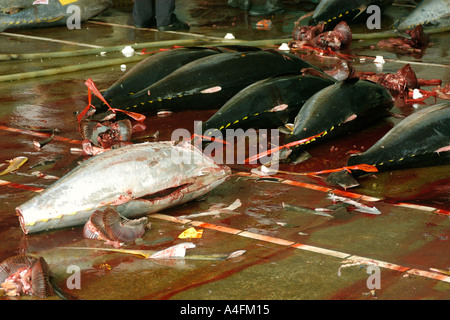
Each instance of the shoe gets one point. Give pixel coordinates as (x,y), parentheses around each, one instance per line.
(175,26)
(242,4)
(268,8)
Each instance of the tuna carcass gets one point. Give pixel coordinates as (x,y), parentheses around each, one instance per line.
(33,14)
(420,140)
(135,180)
(430,14)
(346,106)
(332,12)
(209,82)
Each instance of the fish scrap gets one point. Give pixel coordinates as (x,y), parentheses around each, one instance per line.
(358,206)
(25,275)
(107,225)
(397,83)
(315,36)
(418,40)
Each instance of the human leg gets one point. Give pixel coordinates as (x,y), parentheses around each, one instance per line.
(144,13)
(269,7)
(242,4)
(166,19)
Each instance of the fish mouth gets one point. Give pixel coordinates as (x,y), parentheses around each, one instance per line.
(166,193)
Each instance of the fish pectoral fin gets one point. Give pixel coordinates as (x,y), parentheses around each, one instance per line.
(351,80)
(212,89)
(362,8)
(56,19)
(290,127)
(278,108)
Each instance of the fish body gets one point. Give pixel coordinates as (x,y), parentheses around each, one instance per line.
(150,70)
(134,180)
(209,82)
(266,104)
(156,67)
(339,108)
(421,139)
(429,13)
(332,12)
(52,13)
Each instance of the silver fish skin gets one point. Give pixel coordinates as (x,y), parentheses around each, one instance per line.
(430,14)
(45,15)
(136,180)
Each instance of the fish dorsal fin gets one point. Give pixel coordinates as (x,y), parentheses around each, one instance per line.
(350,81)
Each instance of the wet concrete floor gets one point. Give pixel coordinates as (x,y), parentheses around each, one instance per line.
(289,255)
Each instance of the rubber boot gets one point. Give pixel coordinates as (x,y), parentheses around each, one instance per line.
(242,4)
(268,8)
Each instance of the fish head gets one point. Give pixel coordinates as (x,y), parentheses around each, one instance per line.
(214,173)
(209,172)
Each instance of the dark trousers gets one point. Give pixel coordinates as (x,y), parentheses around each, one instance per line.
(146,11)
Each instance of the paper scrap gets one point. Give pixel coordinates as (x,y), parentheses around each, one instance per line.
(191,233)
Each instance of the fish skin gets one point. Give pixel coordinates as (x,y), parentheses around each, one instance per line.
(182,89)
(351,11)
(52,14)
(413,142)
(256,102)
(336,109)
(122,178)
(429,13)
